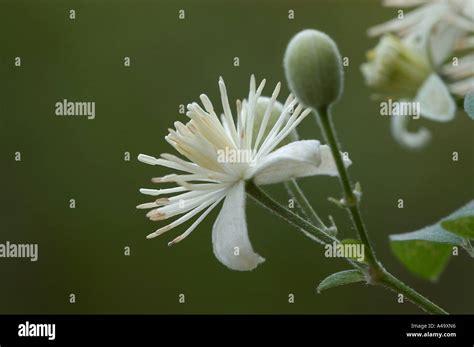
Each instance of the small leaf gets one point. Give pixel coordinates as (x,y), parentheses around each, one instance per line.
(463,226)
(426,252)
(340,279)
(469,104)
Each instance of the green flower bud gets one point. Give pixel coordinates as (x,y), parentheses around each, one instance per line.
(313,69)
(395,69)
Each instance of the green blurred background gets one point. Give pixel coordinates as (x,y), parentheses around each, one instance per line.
(172,62)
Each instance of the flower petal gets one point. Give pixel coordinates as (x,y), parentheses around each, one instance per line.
(296,159)
(462,87)
(408,21)
(435,101)
(407,138)
(442,41)
(328,165)
(230,239)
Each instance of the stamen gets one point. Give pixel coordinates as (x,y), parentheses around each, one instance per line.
(276,128)
(182,205)
(195,224)
(227,111)
(292,124)
(147,205)
(191,177)
(181,220)
(207,103)
(203,186)
(147,159)
(156,192)
(266,116)
(157,216)
(156,203)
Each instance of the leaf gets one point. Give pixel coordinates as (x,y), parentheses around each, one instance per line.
(432,233)
(463,226)
(340,279)
(426,252)
(469,104)
(425,259)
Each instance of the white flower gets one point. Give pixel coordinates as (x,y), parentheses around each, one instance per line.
(400,70)
(206,181)
(439,26)
(461,75)
(426,37)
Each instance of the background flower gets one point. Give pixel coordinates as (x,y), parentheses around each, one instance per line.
(409,66)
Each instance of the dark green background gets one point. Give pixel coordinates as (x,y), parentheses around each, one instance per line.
(173,61)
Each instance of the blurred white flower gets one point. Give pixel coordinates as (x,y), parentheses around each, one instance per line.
(460,77)
(401,71)
(206,180)
(438,26)
(407,64)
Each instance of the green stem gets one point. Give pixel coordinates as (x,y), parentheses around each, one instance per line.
(266,201)
(390,281)
(378,274)
(292,218)
(381,277)
(350,200)
(295,191)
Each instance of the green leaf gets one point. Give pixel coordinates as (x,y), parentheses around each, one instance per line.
(426,252)
(463,226)
(469,104)
(423,258)
(340,279)
(432,233)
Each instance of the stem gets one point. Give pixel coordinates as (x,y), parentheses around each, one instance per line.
(295,191)
(390,281)
(273,206)
(383,277)
(378,274)
(351,201)
(292,218)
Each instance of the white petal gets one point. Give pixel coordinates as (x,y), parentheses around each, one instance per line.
(296,159)
(468,9)
(442,42)
(406,138)
(396,25)
(230,239)
(435,101)
(463,87)
(328,165)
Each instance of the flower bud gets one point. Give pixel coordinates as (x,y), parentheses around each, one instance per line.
(313,69)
